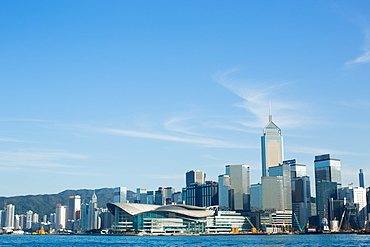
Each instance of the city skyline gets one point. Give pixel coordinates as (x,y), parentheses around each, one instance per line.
(135,94)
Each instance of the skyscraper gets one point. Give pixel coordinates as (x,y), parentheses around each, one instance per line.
(277,189)
(60,217)
(120,195)
(240,184)
(93,213)
(361,179)
(74,206)
(327,181)
(224,188)
(271,147)
(195,176)
(9,222)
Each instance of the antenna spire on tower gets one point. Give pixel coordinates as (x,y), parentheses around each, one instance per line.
(270,114)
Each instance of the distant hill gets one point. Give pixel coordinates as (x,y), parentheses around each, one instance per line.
(45,204)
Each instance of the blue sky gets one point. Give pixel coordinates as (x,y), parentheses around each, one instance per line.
(134,93)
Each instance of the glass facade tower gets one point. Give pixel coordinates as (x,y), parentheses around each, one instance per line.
(271,147)
(327,181)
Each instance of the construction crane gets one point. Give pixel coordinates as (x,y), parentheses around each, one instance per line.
(301,228)
(253,229)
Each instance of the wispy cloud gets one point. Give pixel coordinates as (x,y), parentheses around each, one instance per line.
(6,139)
(256,97)
(176,124)
(23,120)
(362,22)
(207,142)
(41,158)
(365,56)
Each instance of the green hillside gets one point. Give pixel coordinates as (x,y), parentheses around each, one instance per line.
(45,204)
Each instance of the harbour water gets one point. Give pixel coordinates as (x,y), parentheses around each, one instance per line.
(191,241)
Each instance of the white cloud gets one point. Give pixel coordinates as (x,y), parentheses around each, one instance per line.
(256,97)
(41,158)
(207,142)
(6,139)
(365,56)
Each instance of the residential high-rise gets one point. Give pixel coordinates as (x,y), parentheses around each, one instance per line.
(361,179)
(327,181)
(240,184)
(195,176)
(9,222)
(29,217)
(120,195)
(74,206)
(60,217)
(271,147)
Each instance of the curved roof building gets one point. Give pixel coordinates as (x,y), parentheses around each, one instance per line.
(158,218)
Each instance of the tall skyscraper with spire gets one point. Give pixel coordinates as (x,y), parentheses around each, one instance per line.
(271,147)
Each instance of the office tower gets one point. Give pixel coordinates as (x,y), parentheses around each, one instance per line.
(168,195)
(74,206)
(301,200)
(209,194)
(277,189)
(297,170)
(178,197)
(193,195)
(141,195)
(29,217)
(150,197)
(240,184)
(256,197)
(120,195)
(195,176)
(158,195)
(84,222)
(361,179)
(327,181)
(9,222)
(60,217)
(93,213)
(271,146)
(224,194)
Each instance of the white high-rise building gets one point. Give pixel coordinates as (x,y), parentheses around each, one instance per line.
(240,184)
(9,222)
(60,217)
(120,195)
(74,206)
(29,217)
